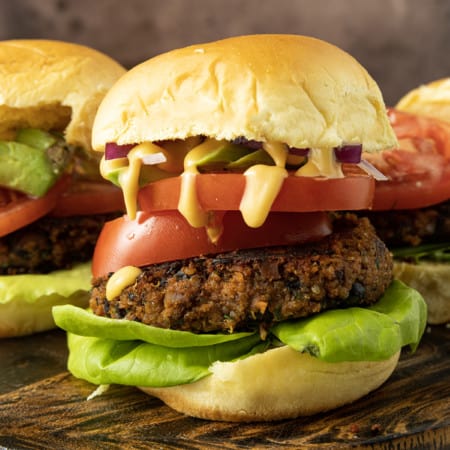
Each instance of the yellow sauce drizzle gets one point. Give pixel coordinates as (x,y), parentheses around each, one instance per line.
(129,175)
(262,185)
(188,203)
(111,165)
(321,163)
(121,279)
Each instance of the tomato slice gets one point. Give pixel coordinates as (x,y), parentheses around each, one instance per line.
(89,197)
(408,125)
(412,194)
(18,210)
(167,236)
(419,170)
(223,191)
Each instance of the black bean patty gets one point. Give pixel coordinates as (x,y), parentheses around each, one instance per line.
(252,288)
(413,227)
(50,243)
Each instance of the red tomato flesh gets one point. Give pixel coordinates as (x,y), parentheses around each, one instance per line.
(19,210)
(167,236)
(88,198)
(419,170)
(219,191)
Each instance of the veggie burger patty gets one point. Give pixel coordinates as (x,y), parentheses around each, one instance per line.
(50,244)
(238,290)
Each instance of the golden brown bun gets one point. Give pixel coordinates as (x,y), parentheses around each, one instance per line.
(51,85)
(278,384)
(432,280)
(431,100)
(282,88)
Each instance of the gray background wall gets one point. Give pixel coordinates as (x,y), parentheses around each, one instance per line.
(403,43)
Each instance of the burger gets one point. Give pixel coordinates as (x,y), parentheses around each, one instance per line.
(412,208)
(430,100)
(53,200)
(240,285)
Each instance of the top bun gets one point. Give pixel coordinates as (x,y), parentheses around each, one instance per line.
(53,85)
(431,100)
(292,89)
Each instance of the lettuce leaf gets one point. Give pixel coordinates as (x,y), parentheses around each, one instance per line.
(105,351)
(137,363)
(407,308)
(360,334)
(84,323)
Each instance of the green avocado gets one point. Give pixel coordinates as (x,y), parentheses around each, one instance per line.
(35,138)
(221,157)
(27,164)
(250,159)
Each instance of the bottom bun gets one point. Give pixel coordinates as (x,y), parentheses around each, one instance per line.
(21,318)
(26,301)
(278,384)
(432,280)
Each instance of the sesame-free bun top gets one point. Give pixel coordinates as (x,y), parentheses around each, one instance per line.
(53,85)
(431,100)
(292,89)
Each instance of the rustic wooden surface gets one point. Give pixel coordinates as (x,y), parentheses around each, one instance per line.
(43,407)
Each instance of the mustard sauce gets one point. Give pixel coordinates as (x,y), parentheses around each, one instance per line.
(321,163)
(188,203)
(124,277)
(262,185)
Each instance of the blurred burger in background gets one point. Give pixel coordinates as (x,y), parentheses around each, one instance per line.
(412,208)
(430,100)
(235,288)
(53,201)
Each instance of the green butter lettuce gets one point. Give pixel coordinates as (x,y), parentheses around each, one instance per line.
(407,308)
(105,351)
(137,363)
(84,323)
(30,288)
(360,334)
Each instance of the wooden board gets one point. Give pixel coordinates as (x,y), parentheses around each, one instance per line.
(42,406)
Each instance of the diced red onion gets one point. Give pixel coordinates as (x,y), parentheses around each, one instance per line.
(155,158)
(248,143)
(114,151)
(350,153)
(298,151)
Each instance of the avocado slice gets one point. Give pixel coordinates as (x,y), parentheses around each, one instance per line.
(35,138)
(246,161)
(221,157)
(33,162)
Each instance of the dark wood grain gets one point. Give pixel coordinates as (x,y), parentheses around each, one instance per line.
(411,411)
